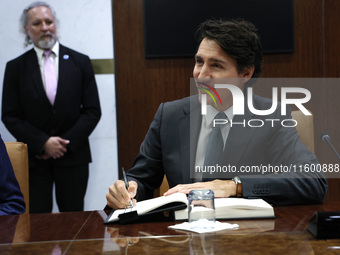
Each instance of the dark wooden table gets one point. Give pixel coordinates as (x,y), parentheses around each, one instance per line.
(85,233)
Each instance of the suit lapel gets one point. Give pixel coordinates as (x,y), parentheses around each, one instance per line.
(238,140)
(189,126)
(33,68)
(64,67)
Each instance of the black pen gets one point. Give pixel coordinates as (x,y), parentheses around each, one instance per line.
(126,184)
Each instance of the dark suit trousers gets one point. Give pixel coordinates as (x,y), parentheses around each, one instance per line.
(70,185)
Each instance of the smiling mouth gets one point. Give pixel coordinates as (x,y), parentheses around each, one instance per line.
(201,85)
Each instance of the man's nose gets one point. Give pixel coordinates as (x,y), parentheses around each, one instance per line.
(205,72)
(44,26)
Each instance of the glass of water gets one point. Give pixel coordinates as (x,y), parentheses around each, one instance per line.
(201,205)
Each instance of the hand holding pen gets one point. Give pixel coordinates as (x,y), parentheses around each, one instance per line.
(120,193)
(126,184)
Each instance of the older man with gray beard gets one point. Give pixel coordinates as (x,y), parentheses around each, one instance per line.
(50,102)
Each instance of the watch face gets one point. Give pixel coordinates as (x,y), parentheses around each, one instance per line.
(237,179)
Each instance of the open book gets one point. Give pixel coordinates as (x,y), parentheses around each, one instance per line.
(225,208)
(236,208)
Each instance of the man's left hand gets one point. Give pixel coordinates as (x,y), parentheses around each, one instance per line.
(225,188)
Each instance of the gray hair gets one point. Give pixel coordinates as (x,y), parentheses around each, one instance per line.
(24,18)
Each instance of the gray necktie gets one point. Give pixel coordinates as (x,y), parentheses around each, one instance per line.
(215,144)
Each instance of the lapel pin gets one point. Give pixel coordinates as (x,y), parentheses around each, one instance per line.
(66,56)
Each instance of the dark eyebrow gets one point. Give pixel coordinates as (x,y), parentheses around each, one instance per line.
(216,60)
(211,59)
(198,57)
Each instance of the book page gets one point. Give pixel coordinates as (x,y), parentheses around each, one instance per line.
(241,203)
(150,204)
(233,208)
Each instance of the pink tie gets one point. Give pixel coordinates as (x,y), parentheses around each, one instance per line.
(50,77)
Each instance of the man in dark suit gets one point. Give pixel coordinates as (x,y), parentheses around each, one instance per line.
(50,102)
(178,138)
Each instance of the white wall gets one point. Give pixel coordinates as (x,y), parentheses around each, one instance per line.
(85,26)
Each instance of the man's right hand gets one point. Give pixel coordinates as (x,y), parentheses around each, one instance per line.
(119,197)
(55,147)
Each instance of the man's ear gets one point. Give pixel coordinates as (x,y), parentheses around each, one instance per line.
(247,73)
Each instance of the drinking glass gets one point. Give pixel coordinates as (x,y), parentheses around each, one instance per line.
(201,205)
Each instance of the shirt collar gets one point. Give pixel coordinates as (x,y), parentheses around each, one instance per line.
(211,113)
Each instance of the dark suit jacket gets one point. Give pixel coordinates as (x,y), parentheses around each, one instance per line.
(11,198)
(30,117)
(167,150)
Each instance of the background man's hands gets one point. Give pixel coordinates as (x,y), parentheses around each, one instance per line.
(55,148)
